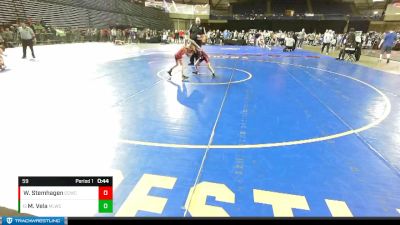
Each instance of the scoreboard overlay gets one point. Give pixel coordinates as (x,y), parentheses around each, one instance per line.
(65,196)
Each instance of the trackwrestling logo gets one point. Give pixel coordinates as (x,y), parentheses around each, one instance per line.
(33,220)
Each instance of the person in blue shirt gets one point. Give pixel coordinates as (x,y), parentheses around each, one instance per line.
(387,44)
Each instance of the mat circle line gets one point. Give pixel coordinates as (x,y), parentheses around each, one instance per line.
(249,76)
(387,111)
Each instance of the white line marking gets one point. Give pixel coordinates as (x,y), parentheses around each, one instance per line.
(249,76)
(209,142)
(388,108)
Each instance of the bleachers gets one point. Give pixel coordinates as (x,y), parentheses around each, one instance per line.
(125,7)
(84,13)
(8,13)
(105,19)
(56,15)
(101,5)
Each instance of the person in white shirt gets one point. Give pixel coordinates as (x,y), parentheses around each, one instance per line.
(27,38)
(283,37)
(289,43)
(326,41)
(301,37)
(261,42)
(235,35)
(333,41)
(339,39)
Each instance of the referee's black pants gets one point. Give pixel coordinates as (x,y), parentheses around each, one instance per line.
(26,43)
(195,55)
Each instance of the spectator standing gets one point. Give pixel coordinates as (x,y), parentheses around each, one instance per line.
(8,38)
(333,42)
(1,38)
(295,38)
(113,34)
(311,39)
(326,41)
(386,45)
(181,36)
(176,37)
(301,37)
(27,38)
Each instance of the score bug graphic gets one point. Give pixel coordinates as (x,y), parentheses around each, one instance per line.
(69,196)
(105,199)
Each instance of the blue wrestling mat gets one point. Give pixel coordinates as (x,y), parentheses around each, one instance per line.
(274,134)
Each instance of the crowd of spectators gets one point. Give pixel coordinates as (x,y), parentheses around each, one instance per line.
(46,34)
(369,40)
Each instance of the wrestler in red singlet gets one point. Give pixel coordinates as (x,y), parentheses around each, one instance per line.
(203,57)
(188,50)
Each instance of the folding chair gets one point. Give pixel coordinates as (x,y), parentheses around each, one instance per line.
(350,54)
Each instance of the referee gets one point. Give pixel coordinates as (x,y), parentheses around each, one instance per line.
(195,33)
(27,38)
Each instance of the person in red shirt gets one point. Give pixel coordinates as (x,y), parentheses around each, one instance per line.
(187,49)
(202,57)
(181,36)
